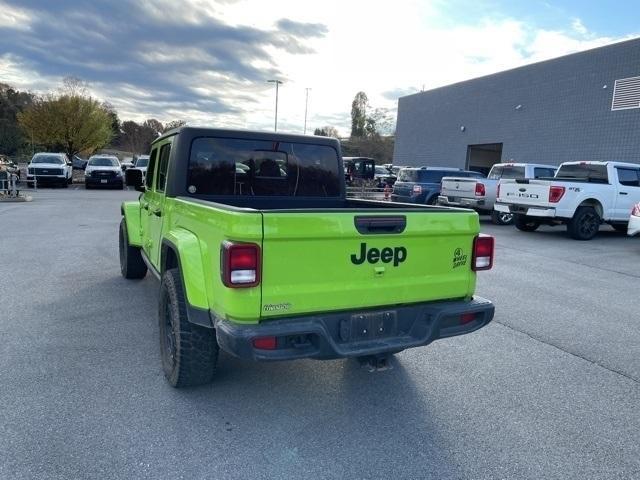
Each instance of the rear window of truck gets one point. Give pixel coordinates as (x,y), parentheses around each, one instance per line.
(584,171)
(228,166)
(509,172)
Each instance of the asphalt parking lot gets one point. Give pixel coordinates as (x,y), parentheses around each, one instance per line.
(549,390)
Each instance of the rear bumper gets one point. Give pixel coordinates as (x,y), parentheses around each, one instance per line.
(355,334)
(404,198)
(473,203)
(525,210)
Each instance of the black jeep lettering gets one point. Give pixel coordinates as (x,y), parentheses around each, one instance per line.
(396,255)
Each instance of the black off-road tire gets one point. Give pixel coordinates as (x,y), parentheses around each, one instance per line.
(189,352)
(501,218)
(132,265)
(64,184)
(525,224)
(585,224)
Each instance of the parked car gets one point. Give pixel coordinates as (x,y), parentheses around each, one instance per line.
(49,168)
(383,177)
(582,196)
(480,193)
(634,220)
(103,171)
(422,184)
(141,163)
(78,163)
(287,267)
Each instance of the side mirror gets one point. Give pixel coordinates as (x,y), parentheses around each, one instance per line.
(133,178)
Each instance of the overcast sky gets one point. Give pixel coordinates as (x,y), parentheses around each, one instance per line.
(208,62)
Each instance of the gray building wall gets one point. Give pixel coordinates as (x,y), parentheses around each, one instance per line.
(565,115)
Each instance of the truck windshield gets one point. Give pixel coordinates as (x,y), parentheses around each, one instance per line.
(47,159)
(594,173)
(509,172)
(227,166)
(103,162)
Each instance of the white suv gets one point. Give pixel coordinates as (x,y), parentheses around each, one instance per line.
(49,168)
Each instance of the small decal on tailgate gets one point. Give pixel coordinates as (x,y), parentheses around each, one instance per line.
(459,258)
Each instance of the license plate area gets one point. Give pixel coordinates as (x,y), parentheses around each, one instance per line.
(103,180)
(369,326)
(518,209)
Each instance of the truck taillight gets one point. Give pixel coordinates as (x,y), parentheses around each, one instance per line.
(498,191)
(635,211)
(555,193)
(482,253)
(240,264)
(480,190)
(417,189)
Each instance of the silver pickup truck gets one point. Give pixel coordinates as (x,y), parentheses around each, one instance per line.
(480,193)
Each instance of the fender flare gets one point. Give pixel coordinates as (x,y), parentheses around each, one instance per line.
(185,247)
(131,213)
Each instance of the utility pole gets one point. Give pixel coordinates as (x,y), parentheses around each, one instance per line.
(306,104)
(278,83)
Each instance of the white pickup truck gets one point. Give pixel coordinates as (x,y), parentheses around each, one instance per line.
(583,195)
(480,193)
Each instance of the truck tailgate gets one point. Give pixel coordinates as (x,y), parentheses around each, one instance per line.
(533,192)
(458,187)
(344,260)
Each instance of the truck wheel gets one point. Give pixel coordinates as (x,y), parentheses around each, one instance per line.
(131,263)
(64,184)
(189,352)
(433,200)
(525,224)
(501,218)
(585,224)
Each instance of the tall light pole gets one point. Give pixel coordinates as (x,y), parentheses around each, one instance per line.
(306,104)
(278,83)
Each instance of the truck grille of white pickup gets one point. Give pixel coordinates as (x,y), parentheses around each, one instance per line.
(46,171)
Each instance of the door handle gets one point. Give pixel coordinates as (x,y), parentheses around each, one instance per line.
(624,193)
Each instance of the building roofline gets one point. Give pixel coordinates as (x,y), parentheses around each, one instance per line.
(521,67)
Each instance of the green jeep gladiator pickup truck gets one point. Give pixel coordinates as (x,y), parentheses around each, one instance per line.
(260,253)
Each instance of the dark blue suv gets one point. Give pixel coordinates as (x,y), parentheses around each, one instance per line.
(422,184)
